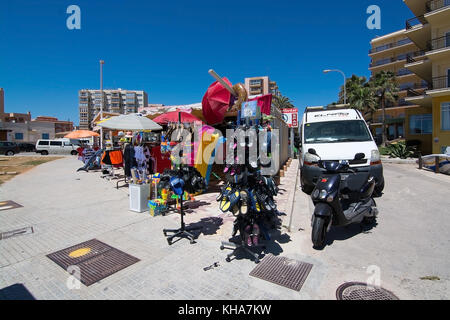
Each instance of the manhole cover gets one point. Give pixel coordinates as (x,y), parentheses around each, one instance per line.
(8,205)
(95,260)
(282,271)
(15,233)
(363,291)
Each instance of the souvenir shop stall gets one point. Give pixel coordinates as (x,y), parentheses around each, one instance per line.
(249,190)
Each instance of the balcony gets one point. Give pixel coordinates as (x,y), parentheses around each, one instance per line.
(387,61)
(421,66)
(415,22)
(439,43)
(403,72)
(392,45)
(441,82)
(434,5)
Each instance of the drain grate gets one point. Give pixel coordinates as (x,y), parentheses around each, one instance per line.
(285,272)
(363,291)
(15,233)
(8,205)
(95,260)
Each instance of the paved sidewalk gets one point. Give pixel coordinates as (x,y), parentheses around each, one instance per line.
(66,208)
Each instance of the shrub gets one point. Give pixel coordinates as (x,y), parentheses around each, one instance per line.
(400,150)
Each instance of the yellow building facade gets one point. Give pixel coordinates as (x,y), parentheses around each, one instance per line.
(390,53)
(430,31)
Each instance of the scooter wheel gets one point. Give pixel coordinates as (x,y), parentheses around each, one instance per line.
(319,232)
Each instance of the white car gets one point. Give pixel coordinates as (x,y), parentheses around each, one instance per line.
(63,147)
(337,134)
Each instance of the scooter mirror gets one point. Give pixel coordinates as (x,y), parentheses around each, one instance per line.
(312,151)
(360,156)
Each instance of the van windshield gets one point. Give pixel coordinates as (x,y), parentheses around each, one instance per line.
(337,131)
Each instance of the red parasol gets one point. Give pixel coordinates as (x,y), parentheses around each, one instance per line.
(174,117)
(216,102)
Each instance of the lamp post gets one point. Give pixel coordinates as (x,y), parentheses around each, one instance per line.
(101,103)
(345,80)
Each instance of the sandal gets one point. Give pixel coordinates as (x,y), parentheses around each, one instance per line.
(244,202)
(229,201)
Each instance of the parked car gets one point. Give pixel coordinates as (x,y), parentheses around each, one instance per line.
(337,134)
(27,147)
(45,147)
(9,148)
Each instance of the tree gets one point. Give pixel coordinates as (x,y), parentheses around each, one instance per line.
(282,102)
(353,83)
(384,87)
(359,95)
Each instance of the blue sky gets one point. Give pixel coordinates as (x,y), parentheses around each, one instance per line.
(167,47)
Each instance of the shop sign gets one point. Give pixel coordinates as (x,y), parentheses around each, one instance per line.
(290,116)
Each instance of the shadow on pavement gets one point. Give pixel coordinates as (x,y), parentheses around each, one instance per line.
(16,292)
(209,226)
(344,233)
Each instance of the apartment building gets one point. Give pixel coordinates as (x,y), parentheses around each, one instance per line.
(261,85)
(430,31)
(115,101)
(60,125)
(390,53)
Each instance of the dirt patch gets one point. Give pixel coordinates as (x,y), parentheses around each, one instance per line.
(20,164)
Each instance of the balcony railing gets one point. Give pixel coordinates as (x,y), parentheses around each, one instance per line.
(433,5)
(439,43)
(441,82)
(390,45)
(411,23)
(410,57)
(415,86)
(403,72)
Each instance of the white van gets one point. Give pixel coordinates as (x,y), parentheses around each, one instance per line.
(63,146)
(337,134)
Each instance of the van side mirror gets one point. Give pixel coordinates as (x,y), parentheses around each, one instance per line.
(360,156)
(312,151)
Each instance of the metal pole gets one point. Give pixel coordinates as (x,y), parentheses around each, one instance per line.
(345,82)
(101,104)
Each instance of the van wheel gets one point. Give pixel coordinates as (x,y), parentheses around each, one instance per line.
(9,153)
(44,153)
(74,153)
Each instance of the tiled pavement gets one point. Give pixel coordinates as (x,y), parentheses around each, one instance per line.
(66,208)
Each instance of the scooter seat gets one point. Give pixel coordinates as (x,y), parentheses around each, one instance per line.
(355,182)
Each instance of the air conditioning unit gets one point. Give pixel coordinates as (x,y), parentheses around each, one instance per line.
(139,194)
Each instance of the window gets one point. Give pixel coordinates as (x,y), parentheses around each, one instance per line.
(56,143)
(337,131)
(18,136)
(445,116)
(45,136)
(43,143)
(421,124)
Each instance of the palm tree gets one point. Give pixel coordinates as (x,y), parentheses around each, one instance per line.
(352,84)
(385,89)
(363,99)
(282,102)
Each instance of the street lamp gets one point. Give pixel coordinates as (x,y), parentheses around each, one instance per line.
(101,104)
(345,80)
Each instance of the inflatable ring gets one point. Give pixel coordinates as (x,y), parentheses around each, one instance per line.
(239,88)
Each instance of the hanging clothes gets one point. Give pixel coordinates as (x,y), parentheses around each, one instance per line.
(129,159)
(264,102)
